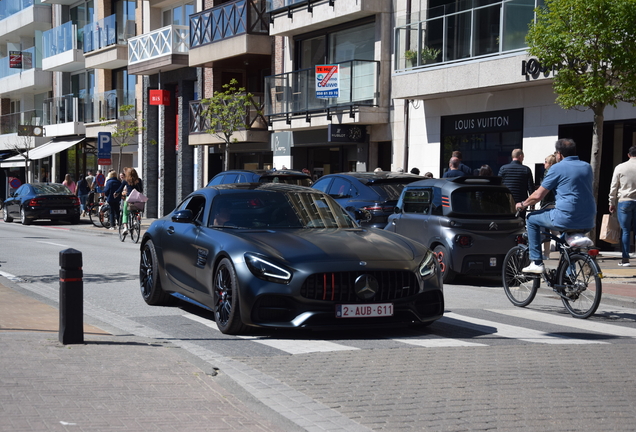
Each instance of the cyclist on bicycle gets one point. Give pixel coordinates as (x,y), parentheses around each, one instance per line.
(571,181)
(131,182)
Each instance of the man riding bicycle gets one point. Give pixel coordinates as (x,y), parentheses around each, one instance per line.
(571,181)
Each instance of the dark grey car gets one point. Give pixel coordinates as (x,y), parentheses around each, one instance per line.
(469,222)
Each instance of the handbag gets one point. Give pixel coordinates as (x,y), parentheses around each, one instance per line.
(137,197)
(610,229)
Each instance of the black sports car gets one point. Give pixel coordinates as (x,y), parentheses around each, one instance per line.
(277,255)
(33,201)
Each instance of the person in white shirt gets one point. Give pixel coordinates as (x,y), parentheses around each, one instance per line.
(622,198)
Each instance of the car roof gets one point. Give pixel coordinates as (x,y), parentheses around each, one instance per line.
(273,187)
(378,177)
(449,184)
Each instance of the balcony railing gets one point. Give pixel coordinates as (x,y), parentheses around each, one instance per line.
(228,20)
(11,7)
(107,32)
(104,106)
(171,39)
(294,93)
(61,39)
(287,5)
(9,122)
(463,30)
(64,109)
(253,117)
(19,62)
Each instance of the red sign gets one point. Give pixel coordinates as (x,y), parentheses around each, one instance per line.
(159,97)
(15,59)
(104,162)
(14,182)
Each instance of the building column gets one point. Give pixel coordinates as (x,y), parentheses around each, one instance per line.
(150,152)
(185,153)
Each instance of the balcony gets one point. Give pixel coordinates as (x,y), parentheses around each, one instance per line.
(292,17)
(234,33)
(60,49)
(22,73)
(291,97)
(163,50)
(257,132)
(63,116)
(22,18)
(9,124)
(106,43)
(98,109)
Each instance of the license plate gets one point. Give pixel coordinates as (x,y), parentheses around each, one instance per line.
(58,211)
(493,262)
(364,310)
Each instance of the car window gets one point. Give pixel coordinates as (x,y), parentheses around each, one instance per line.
(417,201)
(322,185)
(389,190)
(197,205)
(216,180)
(483,202)
(230,178)
(51,188)
(22,190)
(340,188)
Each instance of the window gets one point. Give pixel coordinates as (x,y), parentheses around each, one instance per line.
(417,201)
(178,15)
(340,188)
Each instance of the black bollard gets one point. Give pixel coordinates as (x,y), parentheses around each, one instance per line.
(71,297)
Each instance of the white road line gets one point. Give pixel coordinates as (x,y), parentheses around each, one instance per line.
(290,346)
(438,342)
(54,244)
(520,333)
(579,324)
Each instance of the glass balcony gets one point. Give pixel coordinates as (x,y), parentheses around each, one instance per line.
(228,20)
(107,32)
(172,39)
(253,117)
(63,109)
(19,62)
(294,93)
(11,7)
(99,107)
(9,122)
(61,39)
(463,30)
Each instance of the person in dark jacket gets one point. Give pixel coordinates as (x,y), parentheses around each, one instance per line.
(131,182)
(462,167)
(453,169)
(517,177)
(82,190)
(112,197)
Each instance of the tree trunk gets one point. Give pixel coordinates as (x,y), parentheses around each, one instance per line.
(597,151)
(226,157)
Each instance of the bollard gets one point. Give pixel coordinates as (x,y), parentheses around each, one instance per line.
(71,297)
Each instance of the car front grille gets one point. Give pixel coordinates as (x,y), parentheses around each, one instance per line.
(340,286)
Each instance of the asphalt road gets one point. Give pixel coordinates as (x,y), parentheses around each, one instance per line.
(486,365)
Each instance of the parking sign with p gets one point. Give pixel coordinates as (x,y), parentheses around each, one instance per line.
(104,148)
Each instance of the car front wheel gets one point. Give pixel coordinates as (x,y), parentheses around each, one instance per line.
(444,261)
(149,282)
(227,309)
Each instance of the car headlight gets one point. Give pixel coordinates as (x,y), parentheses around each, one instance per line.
(265,269)
(428,266)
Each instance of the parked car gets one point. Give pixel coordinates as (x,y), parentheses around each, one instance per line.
(277,255)
(261,176)
(375,192)
(33,201)
(469,222)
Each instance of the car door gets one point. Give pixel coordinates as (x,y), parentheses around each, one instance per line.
(180,252)
(14,202)
(413,219)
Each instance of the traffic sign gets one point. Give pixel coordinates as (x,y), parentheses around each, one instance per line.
(14,182)
(100,179)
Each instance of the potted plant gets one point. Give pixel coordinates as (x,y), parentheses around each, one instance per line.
(411,57)
(429,55)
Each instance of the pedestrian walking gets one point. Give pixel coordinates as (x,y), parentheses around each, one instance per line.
(82,193)
(131,182)
(517,177)
(69,183)
(485,170)
(462,167)
(622,199)
(453,169)
(415,171)
(112,197)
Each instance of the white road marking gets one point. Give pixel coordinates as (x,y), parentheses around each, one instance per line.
(579,324)
(54,244)
(438,342)
(520,333)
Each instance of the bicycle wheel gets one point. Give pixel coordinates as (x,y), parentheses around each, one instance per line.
(122,233)
(519,288)
(93,215)
(582,285)
(135,226)
(104,215)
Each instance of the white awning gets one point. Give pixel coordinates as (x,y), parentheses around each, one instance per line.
(40,152)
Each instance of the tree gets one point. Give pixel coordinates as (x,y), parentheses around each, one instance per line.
(125,129)
(592,46)
(226,112)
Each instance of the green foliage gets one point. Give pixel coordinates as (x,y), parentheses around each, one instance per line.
(592,46)
(430,53)
(226,111)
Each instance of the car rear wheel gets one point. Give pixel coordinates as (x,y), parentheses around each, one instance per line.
(227,303)
(23,217)
(444,262)
(149,282)
(6,216)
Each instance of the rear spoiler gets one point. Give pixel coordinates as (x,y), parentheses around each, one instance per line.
(477,180)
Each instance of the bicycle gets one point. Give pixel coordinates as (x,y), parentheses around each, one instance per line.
(135,211)
(99,213)
(576,279)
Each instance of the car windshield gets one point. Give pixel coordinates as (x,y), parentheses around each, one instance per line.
(51,188)
(287,179)
(479,202)
(262,209)
(389,190)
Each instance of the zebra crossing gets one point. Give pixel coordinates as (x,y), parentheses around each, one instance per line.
(498,330)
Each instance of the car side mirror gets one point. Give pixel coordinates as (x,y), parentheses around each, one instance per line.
(397,210)
(182,216)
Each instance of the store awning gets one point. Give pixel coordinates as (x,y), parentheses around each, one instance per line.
(40,152)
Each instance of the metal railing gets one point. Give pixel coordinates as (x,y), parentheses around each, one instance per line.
(19,61)
(9,122)
(287,5)
(104,106)
(254,117)
(228,20)
(463,30)
(166,40)
(61,39)
(295,92)
(62,109)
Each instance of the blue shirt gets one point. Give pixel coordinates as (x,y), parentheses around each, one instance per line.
(453,173)
(571,180)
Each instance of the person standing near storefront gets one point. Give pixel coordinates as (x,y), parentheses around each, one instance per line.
(517,177)
(112,197)
(83,189)
(69,183)
(453,168)
(622,198)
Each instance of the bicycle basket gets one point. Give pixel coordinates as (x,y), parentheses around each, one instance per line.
(136,206)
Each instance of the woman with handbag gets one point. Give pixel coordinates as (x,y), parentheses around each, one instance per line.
(130,183)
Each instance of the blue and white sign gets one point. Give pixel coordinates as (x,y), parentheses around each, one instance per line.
(327,85)
(104,148)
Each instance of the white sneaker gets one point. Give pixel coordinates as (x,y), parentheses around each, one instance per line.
(534,268)
(623,264)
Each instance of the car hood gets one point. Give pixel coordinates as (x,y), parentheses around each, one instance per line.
(333,244)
